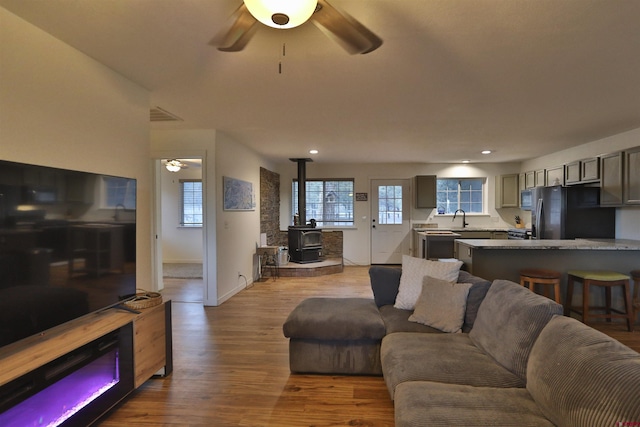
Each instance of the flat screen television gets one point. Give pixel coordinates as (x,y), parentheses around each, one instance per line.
(67,246)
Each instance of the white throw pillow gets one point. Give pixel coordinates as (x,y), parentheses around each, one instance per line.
(413,272)
(441,304)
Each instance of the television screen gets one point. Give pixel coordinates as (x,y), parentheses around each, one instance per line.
(67,246)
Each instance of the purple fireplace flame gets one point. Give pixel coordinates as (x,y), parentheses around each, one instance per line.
(63,399)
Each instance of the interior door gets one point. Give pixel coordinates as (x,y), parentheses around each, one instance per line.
(390,225)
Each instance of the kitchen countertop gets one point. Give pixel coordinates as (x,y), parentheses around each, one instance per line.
(459,229)
(582,244)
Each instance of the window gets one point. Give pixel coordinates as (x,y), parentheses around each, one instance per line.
(460,193)
(329,202)
(390,204)
(191,191)
(118,192)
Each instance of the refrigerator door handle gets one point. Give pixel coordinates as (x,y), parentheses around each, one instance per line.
(539,220)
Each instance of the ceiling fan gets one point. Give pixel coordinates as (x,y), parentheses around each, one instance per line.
(174,165)
(337,25)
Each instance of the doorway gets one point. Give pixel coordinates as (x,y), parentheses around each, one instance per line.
(180,224)
(390,222)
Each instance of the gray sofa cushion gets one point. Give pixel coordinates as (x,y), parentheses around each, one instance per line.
(386,280)
(447,358)
(476,295)
(430,404)
(581,377)
(397,320)
(509,321)
(335,319)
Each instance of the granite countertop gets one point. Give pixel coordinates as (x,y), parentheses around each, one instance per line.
(459,229)
(582,244)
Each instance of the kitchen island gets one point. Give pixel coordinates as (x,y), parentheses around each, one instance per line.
(503,259)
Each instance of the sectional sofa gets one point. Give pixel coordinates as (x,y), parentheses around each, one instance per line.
(515,360)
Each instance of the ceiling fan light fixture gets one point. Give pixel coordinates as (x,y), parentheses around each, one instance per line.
(173,165)
(281,14)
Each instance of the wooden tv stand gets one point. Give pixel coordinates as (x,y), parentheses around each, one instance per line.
(152,342)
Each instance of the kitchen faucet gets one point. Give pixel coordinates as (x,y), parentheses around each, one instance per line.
(464,217)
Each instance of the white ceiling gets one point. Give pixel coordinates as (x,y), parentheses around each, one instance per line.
(521,77)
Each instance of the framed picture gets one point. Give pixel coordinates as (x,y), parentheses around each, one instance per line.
(238,195)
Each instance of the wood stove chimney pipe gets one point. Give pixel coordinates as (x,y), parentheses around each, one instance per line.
(302,188)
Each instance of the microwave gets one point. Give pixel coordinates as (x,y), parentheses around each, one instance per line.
(526,200)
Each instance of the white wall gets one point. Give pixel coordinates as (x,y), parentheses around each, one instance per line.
(179,244)
(357,240)
(61,108)
(628,217)
(231,236)
(238,232)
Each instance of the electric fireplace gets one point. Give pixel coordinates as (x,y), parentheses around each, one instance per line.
(75,389)
(305,244)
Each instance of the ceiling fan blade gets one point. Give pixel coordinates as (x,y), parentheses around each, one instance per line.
(344,29)
(236,36)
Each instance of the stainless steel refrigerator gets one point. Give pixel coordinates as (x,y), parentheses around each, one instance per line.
(570,212)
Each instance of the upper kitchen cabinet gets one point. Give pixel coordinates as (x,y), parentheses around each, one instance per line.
(507,191)
(611,168)
(632,176)
(540,176)
(582,171)
(426,191)
(554,176)
(529,179)
(572,172)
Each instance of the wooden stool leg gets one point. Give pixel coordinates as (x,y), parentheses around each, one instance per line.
(607,299)
(586,284)
(556,292)
(636,298)
(631,317)
(569,299)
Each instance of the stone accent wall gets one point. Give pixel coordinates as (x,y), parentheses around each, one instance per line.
(332,244)
(270,206)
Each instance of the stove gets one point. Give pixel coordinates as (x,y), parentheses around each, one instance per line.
(519,233)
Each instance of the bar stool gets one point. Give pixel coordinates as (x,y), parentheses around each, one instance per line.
(547,278)
(603,278)
(635,277)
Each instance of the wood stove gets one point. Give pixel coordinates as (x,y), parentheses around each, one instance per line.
(305,244)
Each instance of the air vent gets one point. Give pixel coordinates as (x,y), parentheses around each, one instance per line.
(157,114)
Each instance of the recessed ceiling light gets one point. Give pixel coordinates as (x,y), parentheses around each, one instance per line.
(486,151)
(465,161)
(313,151)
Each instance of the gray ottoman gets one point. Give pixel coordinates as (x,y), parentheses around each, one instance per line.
(335,336)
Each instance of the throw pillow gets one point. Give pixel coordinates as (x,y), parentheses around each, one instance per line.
(441,304)
(413,272)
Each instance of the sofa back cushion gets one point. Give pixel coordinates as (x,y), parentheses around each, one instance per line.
(581,377)
(477,293)
(508,323)
(385,282)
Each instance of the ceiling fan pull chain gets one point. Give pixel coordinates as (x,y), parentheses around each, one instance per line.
(284,53)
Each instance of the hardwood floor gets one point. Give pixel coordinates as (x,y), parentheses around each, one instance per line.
(231,364)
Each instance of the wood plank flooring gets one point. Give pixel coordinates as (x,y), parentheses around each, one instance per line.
(231,365)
